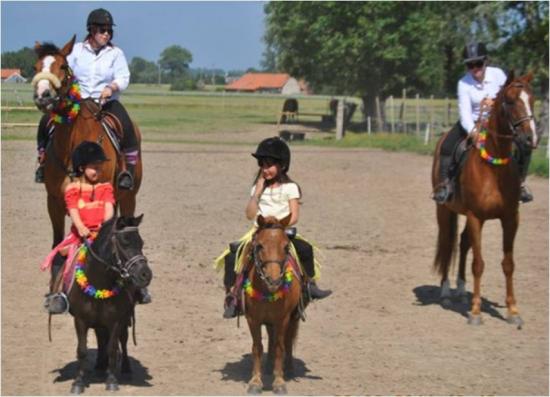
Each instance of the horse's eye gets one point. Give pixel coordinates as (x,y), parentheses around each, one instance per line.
(65,67)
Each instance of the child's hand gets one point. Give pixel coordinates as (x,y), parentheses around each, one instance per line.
(260,185)
(83,231)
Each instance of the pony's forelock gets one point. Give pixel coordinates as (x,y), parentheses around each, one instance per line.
(46,49)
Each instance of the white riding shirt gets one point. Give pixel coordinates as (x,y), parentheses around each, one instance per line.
(95,72)
(274,201)
(471,92)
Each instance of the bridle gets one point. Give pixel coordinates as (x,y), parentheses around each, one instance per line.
(260,264)
(123,263)
(61,86)
(513,124)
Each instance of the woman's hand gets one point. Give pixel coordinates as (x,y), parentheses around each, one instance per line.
(106,93)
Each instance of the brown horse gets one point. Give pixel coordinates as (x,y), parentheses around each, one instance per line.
(272,294)
(487,190)
(51,88)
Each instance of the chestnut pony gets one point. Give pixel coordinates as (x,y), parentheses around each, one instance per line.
(272,274)
(52,83)
(486,190)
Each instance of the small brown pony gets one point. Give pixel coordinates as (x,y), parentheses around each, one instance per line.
(51,87)
(487,191)
(271,273)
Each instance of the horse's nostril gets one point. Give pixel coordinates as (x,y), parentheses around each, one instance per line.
(46,94)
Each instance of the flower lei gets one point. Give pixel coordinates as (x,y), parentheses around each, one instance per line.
(82,280)
(69,107)
(485,155)
(274,296)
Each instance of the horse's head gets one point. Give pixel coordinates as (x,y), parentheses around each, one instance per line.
(271,248)
(517,105)
(126,250)
(51,81)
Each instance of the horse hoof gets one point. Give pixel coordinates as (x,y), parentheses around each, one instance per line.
(474,319)
(515,320)
(280,390)
(254,390)
(77,389)
(111,386)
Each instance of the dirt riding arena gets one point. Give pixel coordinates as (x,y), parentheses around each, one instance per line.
(382,332)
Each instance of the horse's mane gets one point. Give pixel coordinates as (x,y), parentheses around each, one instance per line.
(104,233)
(46,49)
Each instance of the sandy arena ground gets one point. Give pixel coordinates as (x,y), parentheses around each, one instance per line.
(382,332)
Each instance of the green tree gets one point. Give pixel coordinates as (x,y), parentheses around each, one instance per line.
(23,59)
(175,60)
(143,71)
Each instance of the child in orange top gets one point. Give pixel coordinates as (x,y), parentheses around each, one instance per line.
(89,204)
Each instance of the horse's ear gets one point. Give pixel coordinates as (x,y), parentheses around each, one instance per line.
(121,223)
(68,48)
(37,45)
(511,77)
(529,77)
(260,220)
(286,220)
(139,219)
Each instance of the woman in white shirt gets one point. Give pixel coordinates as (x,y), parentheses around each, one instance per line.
(476,92)
(102,73)
(273,194)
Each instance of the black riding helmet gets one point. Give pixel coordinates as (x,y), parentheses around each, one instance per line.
(274,148)
(87,153)
(474,52)
(100,16)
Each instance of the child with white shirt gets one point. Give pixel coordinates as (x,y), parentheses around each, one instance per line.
(275,194)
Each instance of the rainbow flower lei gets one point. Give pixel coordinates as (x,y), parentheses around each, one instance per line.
(274,296)
(69,107)
(485,155)
(82,280)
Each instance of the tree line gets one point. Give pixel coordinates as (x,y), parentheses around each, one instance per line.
(377,49)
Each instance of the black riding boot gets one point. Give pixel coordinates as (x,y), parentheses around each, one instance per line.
(56,303)
(317,293)
(230,302)
(444,189)
(126,178)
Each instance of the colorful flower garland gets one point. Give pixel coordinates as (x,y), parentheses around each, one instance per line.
(485,155)
(82,280)
(274,296)
(69,107)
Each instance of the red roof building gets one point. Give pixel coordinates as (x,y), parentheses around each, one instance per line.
(281,83)
(12,75)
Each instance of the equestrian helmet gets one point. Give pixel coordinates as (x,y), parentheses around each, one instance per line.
(100,17)
(87,153)
(474,52)
(274,148)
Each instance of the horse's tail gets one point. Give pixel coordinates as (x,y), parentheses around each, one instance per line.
(447,221)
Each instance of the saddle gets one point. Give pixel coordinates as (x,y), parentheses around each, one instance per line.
(113,127)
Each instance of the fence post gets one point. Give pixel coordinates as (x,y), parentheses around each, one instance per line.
(340,120)
(417,114)
(392,115)
(403,112)
(379,115)
(427,134)
(432,110)
(368,125)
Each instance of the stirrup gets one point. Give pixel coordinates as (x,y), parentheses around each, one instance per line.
(230,306)
(525,195)
(39,174)
(57,303)
(442,192)
(125,181)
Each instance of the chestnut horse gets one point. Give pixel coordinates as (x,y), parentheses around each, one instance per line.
(51,89)
(488,187)
(272,294)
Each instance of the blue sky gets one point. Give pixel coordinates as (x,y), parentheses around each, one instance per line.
(226,35)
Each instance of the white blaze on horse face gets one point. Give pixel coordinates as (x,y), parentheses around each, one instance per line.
(44,85)
(525,98)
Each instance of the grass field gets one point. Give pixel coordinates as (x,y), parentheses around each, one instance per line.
(174,116)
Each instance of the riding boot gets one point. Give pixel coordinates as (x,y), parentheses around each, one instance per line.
(230,306)
(315,292)
(144,297)
(39,173)
(56,302)
(126,177)
(444,189)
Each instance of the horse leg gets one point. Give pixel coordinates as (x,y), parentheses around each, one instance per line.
(510,227)
(279,386)
(125,362)
(111,383)
(270,348)
(474,226)
(102,336)
(255,384)
(465,246)
(290,336)
(56,210)
(447,223)
(81,351)
(127,200)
